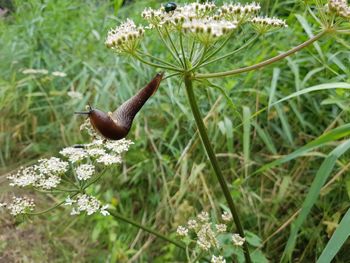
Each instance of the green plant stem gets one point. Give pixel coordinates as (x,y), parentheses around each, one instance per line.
(147,229)
(263,63)
(214,161)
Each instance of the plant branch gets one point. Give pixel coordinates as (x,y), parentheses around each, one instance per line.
(157,59)
(183,51)
(263,63)
(51,208)
(230,53)
(155,65)
(168,47)
(214,162)
(219,48)
(147,229)
(174,47)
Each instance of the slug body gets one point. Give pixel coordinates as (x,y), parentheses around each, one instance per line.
(116,125)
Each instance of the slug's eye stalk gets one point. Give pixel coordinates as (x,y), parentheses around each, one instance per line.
(89,108)
(83,112)
(116,125)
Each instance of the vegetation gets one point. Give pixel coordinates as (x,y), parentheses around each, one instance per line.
(280,135)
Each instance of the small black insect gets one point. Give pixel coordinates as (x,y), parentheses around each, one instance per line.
(171,6)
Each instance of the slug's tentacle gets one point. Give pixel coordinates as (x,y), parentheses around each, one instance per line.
(82,112)
(116,125)
(125,114)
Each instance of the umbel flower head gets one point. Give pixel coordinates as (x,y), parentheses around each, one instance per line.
(339,7)
(206,30)
(239,12)
(125,38)
(19,205)
(263,24)
(79,166)
(205,233)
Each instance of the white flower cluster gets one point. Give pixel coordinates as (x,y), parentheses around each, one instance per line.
(207,21)
(206,233)
(74,154)
(19,205)
(106,153)
(206,237)
(238,240)
(46,174)
(263,24)
(182,231)
(208,29)
(85,171)
(217,259)
(339,7)
(174,19)
(238,12)
(86,203)
(125,38)
(204,21)
(59,74)
(75,95)
(33,71)
(226,216)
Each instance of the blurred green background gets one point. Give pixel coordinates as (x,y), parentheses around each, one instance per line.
(165,178)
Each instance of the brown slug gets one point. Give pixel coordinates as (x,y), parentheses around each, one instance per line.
(116,125)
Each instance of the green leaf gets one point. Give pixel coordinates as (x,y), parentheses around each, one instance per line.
(308,31)
(272,90)
(253,239)
(322,174)
(285,124)
(259,257)
(335,85)
(266,138)
(339,237)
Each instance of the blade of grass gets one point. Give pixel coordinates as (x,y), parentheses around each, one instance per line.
(321,176)
(266,138)
(272,91)
(330,136)
(285,124)
(335,85)
(246,138)
(339,237)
